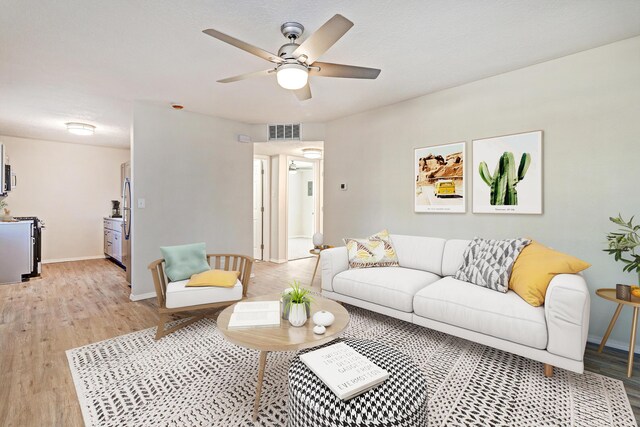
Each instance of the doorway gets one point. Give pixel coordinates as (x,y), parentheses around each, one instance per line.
(302,206)
(260,208)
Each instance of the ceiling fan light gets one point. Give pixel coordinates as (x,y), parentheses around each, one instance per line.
(80,128)
(292,76)
(312,153)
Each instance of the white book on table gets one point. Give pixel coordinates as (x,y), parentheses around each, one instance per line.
(255,314)
(252,306)
(345,371)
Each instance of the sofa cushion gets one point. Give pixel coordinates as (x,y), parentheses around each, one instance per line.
(488,262)
(183,261)
(462,304)
(420,253)
(179,295)
(392,287)
(214,277)
(536,266)
(453,256)
(374,251)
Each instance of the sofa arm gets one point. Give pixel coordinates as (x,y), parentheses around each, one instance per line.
(333,260)
(566,310)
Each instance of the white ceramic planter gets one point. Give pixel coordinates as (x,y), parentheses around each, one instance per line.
(297,314)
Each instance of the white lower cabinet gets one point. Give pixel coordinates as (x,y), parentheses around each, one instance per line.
(113,239)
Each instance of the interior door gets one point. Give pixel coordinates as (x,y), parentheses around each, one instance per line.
(258,209)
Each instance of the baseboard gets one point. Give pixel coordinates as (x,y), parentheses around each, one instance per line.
(82,258)
(278,261)
(618,345)
(148,295)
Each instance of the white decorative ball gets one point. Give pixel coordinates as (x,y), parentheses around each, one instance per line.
(324,318)
(318,239)
(319,329)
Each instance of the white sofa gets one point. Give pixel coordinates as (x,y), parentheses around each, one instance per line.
(423,291)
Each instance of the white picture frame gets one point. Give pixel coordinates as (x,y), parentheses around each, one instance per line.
(493,188)
(436,170)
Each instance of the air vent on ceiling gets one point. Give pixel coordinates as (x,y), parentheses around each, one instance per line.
(282,132)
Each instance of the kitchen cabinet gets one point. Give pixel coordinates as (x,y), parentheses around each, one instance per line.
(113,238)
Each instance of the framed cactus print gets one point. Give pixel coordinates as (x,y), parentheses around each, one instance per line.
(507,174)
(439,184)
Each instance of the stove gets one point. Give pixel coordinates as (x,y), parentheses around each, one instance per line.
(36,239)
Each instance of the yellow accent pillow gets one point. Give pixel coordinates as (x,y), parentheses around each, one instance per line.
(221,278)
(536,266)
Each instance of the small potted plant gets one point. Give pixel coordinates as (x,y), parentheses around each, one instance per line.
(5,214)
(298,300)
(623,244)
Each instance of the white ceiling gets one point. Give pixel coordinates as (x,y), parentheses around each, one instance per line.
(87,60)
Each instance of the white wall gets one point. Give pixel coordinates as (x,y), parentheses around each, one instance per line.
(196,180)
(588,105)
(68,186)
(279,172)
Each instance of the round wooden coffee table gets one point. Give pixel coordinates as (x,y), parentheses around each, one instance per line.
(282,338)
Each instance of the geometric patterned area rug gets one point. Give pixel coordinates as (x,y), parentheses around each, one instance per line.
(194,377)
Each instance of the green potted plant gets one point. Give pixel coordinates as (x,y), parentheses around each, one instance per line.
(298,299)
(623,244)
(4,212)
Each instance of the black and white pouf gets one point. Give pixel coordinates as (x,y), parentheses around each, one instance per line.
(400,401)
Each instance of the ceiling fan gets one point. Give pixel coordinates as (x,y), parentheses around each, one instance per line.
(295,62)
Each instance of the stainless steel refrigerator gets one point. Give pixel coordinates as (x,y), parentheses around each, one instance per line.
(125,176)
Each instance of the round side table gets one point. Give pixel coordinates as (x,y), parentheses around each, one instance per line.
(400,401)
(316,252)
(610,294)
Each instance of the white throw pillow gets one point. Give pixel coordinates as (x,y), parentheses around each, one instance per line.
(374,251)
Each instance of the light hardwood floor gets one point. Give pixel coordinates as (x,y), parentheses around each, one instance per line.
(77,303)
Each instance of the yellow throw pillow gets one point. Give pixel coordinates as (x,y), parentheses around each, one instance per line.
(536,266)
(221,278)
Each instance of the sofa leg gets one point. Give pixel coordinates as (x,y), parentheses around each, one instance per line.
(548,370)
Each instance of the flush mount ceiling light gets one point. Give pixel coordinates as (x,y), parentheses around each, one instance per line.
(312,153)
(80,128)
(292,76)
(293,169)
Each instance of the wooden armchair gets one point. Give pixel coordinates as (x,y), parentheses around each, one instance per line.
(174,299)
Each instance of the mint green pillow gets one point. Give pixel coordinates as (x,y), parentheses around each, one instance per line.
(183,261)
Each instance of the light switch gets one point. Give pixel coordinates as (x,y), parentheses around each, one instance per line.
(140,203)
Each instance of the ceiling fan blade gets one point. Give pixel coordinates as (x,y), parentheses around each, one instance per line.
(328,69)
(247,76)
(325,37)
(271,57)
(304,93)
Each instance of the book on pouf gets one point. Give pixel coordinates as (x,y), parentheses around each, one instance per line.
(345,371)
